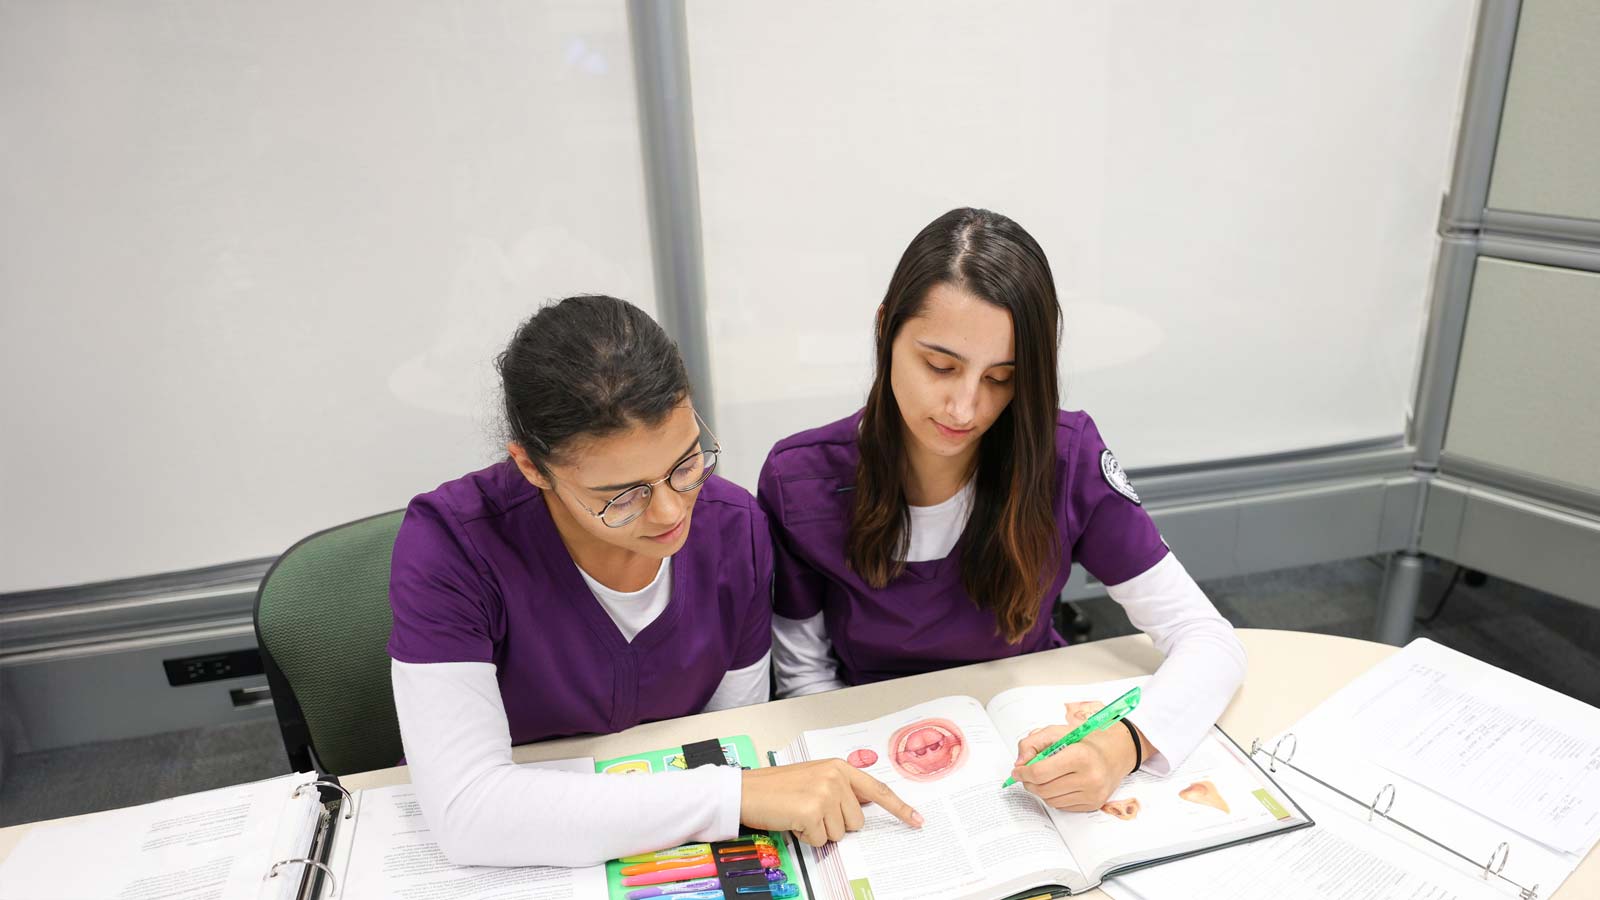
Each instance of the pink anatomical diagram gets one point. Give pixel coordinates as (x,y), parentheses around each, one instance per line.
(927,750)
(861,758)
(1204,793)
(1123,809)
(1080,711)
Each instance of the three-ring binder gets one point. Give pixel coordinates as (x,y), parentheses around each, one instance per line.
(324,827)
(349,802)
(333,884)
(1380,807)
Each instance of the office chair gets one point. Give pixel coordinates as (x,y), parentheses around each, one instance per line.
(322,621)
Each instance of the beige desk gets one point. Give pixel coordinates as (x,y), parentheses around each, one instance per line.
(1289,674)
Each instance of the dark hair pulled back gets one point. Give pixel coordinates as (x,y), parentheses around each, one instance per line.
(587,367)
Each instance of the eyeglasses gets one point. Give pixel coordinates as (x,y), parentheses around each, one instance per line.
(690,472)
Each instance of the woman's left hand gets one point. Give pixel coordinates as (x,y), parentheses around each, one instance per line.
(1079,778)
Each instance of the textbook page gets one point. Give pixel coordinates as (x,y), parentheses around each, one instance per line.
(215,845)
(392,855)
(1342,858)
(945,758)
(1513,750)
(1217,796)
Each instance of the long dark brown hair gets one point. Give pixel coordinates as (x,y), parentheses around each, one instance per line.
(1010,549)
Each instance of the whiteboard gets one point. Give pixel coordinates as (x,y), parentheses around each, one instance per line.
(256,258)
(1238,200)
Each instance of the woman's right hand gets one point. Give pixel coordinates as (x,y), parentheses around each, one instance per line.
(818,801)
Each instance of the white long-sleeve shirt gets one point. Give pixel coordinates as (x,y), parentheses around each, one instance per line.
(486,810)
(1204,661)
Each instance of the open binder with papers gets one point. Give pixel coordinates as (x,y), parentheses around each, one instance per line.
(256,840)
(295,837)
(1492,864)
(307,837)
(1432,774)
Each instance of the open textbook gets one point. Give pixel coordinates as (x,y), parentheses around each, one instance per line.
(1432,775)
(948,757)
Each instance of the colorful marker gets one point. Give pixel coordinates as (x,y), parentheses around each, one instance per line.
(700,884)
(685,850)
(766,859)
(661,865)
(686,862)
(700,849)
(707,870)
(777,891)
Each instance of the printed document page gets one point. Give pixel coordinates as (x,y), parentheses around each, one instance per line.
(1513,750)
(392,854)
(206,846)
(1343,742)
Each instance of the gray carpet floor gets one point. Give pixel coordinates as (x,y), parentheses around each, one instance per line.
(1546,639)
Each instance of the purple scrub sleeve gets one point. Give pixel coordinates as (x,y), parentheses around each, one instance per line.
(1109,533)
(480,574)
(925,620)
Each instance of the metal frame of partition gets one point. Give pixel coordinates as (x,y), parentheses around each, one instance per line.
(660,39)
(1403,497)
(1460,221)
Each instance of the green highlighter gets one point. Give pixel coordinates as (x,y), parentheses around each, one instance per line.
(1105,718)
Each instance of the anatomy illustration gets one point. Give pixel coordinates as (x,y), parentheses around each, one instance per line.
(861,758)
(927,750)
(1125,809)
(1204,793)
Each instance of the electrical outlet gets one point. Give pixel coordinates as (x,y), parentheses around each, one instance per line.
(213,667)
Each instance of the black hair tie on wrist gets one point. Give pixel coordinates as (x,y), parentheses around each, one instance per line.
(1138,751)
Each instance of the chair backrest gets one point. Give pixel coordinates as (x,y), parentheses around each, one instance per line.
(322,622)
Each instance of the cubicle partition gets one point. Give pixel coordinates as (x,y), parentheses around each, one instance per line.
(1507,434)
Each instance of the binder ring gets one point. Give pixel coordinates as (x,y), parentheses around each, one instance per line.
(1374,810)
(349,801)
(333,884)
(1502,853)
(1276,757)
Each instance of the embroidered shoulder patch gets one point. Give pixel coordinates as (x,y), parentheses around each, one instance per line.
(1118,479)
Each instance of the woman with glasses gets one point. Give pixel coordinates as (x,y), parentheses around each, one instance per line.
(936,527)
(600,577)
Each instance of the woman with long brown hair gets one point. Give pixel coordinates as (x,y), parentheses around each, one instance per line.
(937,526)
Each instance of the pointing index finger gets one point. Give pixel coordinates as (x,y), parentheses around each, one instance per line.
(871,790)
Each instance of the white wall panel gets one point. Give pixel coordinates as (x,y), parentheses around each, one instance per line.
(256,258)
(1238,199)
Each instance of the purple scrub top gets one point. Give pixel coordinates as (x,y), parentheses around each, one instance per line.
(924,619)
(480,574)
